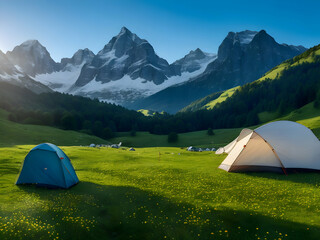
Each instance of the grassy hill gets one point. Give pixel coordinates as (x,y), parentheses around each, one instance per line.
(146,195)
(199,104)
(14,134)
(210,101)
(307,116)
(148,113)
(306,57)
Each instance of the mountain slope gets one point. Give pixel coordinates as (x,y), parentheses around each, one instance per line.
(68,72)
(210,101)
(242,57)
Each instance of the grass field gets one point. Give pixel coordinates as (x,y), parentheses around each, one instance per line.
(198,139)
(144,195)
(14,133)
(160,191)
(155,192)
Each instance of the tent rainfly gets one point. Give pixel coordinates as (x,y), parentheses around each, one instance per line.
(47,165)
(278,146)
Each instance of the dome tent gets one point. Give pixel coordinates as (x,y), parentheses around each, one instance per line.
(277,146)
(47,165)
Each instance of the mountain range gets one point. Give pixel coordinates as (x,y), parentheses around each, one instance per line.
(127,71)
(242,58)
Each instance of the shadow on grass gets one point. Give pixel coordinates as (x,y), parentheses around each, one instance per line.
(312,177)
(122,212)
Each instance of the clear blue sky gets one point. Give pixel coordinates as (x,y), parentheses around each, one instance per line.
(173,27)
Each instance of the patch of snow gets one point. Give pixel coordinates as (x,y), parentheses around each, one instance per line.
(120,62)
(109,56)
(153,67)
(200,63)
(60,81)
(246,37)
(18,68)
(138,63)
(6,77)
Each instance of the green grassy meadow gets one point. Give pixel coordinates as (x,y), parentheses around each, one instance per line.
(14,133)
(157,193)
(161,192)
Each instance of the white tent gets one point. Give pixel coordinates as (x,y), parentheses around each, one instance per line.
(277,146)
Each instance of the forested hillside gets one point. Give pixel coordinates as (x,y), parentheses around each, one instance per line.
(304,65)
(67,112)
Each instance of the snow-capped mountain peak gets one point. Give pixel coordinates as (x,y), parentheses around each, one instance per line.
(32,58)
(194,61)
(81,56)
(125,54)
(122,43)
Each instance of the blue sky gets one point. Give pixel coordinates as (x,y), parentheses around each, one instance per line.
(173,27)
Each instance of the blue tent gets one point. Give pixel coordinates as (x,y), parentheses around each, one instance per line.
(47,165)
